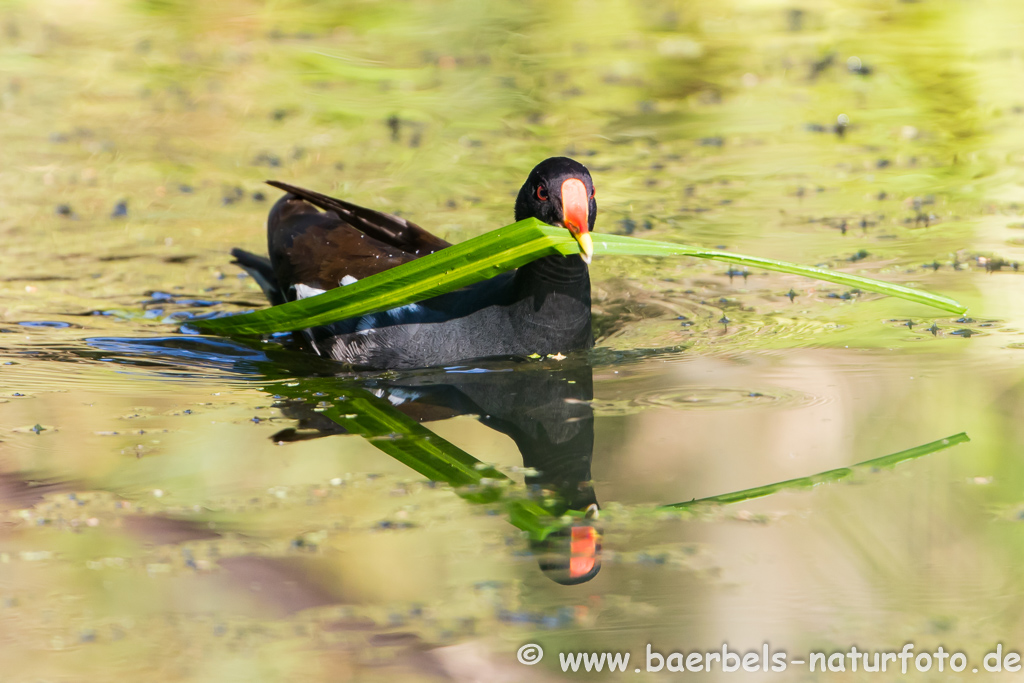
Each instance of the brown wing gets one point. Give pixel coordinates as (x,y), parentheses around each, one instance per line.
(391,230)
(321,249)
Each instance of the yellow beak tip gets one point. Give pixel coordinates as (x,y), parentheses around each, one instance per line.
(586,246)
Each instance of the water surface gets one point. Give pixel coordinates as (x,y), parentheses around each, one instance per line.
(168,509)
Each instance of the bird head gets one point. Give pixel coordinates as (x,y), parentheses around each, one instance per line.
(571,555)
(560,191)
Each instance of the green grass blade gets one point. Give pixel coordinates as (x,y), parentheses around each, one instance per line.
(629,246)
(495,252)
(390,430)
(407,441)
(457,266)
(828,476)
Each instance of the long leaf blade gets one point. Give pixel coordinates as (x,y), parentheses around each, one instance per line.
(890,460)
(495,252)
(389,430)
(628,246)
(446,270)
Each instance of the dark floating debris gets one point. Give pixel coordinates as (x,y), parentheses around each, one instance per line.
(996,263)
(792,295)
(842,123)
(822,64)
(855,66)
(795,20)
(120,210)
(64,210)
(266,159)
(926,218)
(934,329)
(859,256)
(963,332)
(232,195)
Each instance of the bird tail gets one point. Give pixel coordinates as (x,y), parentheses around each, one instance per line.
(262,272)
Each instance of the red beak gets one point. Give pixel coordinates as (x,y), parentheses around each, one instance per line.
(583,547)
(576,215)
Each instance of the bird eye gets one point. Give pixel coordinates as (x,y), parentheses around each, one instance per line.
(542,193)
(593,193)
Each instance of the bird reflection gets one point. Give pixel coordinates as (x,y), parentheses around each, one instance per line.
(544,407)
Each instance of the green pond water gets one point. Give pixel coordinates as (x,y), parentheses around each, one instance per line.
(176,507)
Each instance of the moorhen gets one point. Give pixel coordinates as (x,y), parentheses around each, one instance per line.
(542,307)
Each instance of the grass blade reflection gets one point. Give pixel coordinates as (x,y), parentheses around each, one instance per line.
(828,476)
(360,412)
